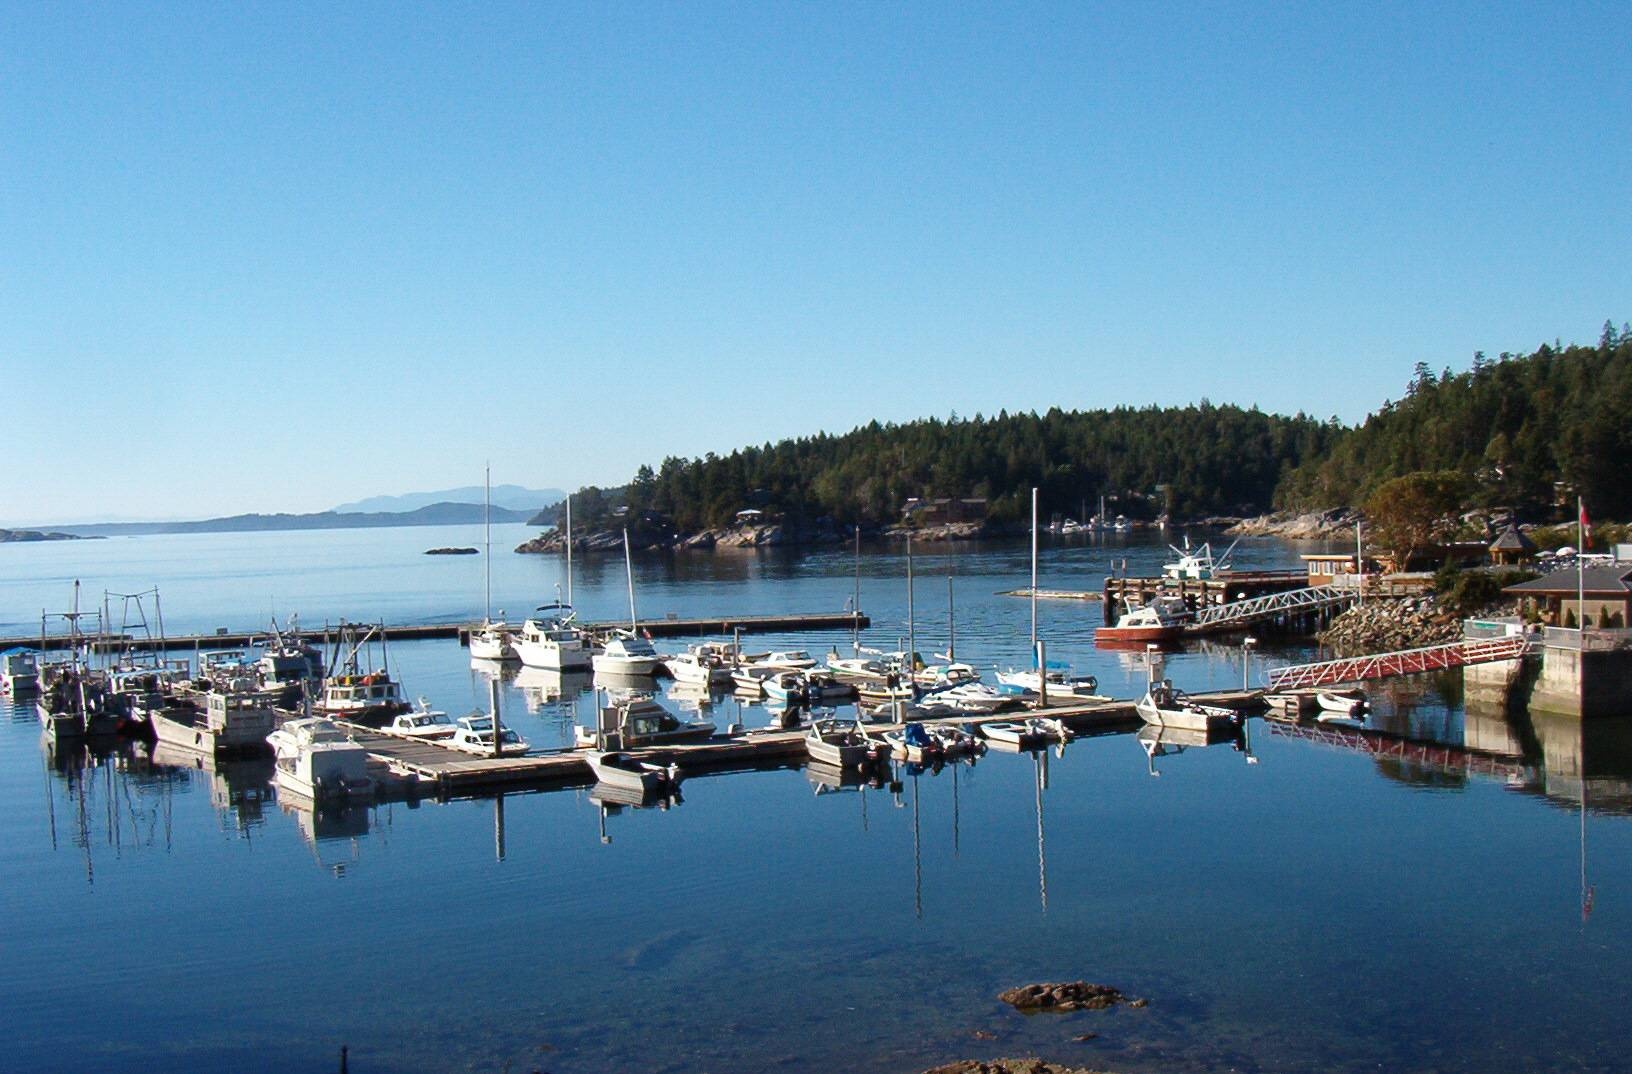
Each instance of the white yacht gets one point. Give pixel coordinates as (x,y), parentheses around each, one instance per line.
(550,641)
(626,653)
(1061,683)
(316,759)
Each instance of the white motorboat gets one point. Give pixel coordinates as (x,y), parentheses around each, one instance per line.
(972,697)
(19,671)
(626,653)
(317,760)
(625,771)
(637,721)
(1166,706)
(474,734)
(788,660)
(492,641)
(700,665)
(1350,702)
(1057,676)
(841,743)
(550,641)
(228,723)
(1022,734)
(786,688)
(426,723)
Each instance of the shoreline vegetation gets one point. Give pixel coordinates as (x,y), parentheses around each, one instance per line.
(1520,435)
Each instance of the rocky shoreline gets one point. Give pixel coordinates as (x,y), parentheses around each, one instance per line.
(1337,522)
(9,536)
(1384,625)
(771,535)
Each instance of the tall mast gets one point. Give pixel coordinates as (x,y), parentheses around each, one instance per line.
(487,532)
(912,638)
(629,573)
(855,602)
(1034,569)
(569,549)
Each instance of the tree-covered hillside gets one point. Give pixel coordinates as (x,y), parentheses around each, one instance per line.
(1205,458)
(1530,431)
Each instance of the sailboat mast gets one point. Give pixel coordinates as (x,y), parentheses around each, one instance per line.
(912,639)
(487,533)
(569,549)
(629,573)
(1034,569)
(855,602)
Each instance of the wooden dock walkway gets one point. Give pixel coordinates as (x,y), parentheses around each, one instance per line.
(667,627)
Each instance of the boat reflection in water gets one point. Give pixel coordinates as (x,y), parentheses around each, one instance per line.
(610,800)
(1159,741)
(545,692)
(239,789)
(331,832)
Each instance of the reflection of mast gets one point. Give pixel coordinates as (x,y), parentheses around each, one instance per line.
(1587,890)
(955,768)
(917,864)
(50,799)
(498,826)
(1040,760)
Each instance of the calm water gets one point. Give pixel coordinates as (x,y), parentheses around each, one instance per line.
(1322,909)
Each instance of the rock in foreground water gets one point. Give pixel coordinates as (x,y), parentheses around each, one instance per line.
(1067,996)
(1007,1066)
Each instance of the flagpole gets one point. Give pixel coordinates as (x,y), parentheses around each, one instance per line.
(1580,562)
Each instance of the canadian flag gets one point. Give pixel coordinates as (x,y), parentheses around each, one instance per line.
(1586,525)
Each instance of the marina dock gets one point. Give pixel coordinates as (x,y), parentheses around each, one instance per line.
(424,767)
(666,627)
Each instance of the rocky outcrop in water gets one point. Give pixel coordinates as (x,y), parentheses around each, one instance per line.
(451,552)
(1383,625)
(1031,1065)
(1311,525)
(1067,996)
(36,535)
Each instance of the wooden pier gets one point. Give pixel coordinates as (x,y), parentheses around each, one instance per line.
(667,627)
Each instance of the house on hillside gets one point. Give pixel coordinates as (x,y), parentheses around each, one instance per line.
(1511,548)
(1556,598)
(943,511)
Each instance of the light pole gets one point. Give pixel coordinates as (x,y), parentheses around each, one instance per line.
(1248,644)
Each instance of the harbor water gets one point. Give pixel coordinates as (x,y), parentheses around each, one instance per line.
(1344,903)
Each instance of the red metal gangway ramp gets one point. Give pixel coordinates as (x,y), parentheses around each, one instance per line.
(1405,662)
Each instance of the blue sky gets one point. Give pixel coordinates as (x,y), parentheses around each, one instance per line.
(274,257)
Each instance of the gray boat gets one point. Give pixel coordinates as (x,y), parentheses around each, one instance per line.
(628,772)
(841,743)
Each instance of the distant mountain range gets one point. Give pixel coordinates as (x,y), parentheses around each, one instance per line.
(434,514)
(512,496)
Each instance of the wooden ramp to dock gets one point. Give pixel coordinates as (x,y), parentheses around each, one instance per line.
(1240,613)
(1405,662)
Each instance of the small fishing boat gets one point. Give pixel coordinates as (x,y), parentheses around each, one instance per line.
(914,743)
(841,743)
(625,771)
(1167,706)
(315,759)
(697,667)
(1159,621)
(825,686)
(1022,734)
(474,734)
(287,660)
(426,723)
(19,671)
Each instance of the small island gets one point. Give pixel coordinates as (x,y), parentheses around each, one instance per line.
(450,551)
(7,536)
